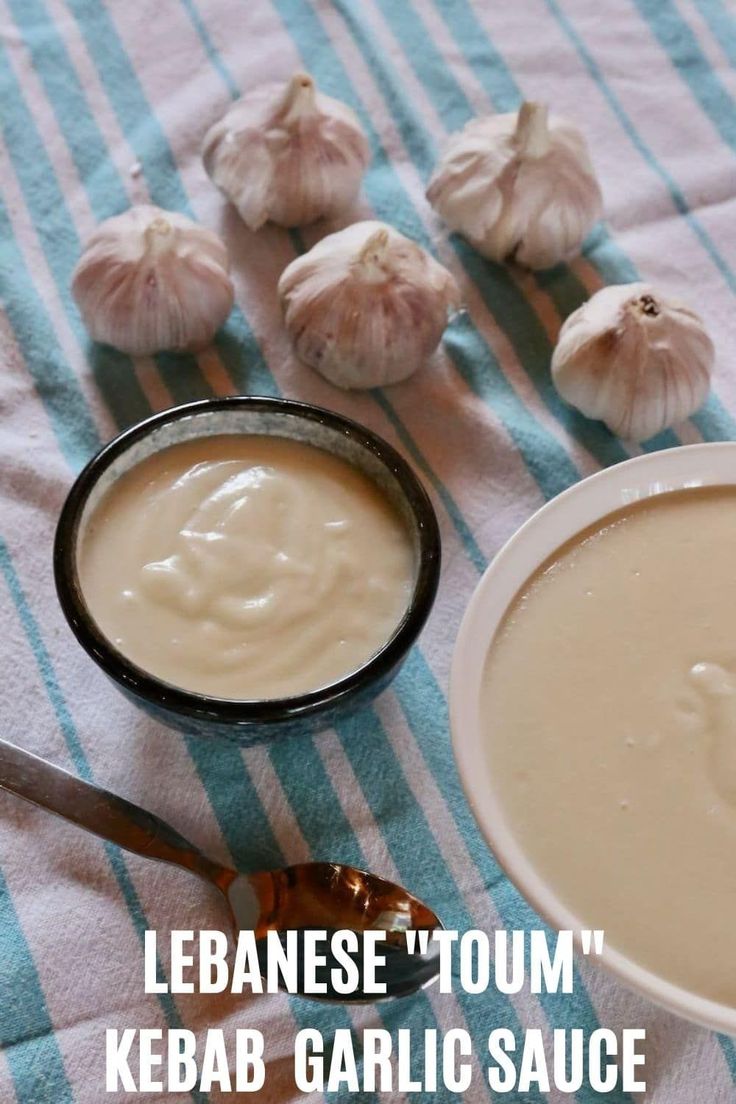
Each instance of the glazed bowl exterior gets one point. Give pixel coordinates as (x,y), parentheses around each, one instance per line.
(702,465)
(250,721)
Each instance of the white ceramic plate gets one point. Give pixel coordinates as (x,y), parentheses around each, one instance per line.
(562,518)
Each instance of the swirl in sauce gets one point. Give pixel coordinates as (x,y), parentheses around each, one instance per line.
(246,566)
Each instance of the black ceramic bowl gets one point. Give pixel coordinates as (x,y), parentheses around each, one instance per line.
(248,721)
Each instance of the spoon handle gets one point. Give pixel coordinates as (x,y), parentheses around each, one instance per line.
(101,812)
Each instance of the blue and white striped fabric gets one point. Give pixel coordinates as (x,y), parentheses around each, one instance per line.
(88,92)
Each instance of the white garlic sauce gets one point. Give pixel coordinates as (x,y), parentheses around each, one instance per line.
(609,703)
(718,687)
(246,566)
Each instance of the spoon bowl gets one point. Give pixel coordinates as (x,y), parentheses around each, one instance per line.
(316,896)
(333,897)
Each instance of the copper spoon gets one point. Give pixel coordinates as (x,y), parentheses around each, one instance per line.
(325,896)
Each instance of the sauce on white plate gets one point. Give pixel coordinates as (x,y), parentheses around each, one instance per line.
(609,703)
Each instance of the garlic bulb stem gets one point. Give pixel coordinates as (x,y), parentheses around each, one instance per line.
(372,257)
(647,304)
(375,246)
(299,99)
(158,236)
(531,136)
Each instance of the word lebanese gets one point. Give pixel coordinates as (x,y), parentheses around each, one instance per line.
(314,962)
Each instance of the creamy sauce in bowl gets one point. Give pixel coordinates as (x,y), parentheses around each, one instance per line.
(246,566)
(609,710)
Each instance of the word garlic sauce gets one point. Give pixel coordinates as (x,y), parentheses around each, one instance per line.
(609,702)
(246,566)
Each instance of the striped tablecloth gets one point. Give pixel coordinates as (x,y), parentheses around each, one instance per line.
(103,104)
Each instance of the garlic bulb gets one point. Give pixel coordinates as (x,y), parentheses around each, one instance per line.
(291,155)
(518,187)
(366,306)
(150,280)
(634,360)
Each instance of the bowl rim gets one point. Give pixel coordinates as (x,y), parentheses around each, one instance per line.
(708,464)
(245,711)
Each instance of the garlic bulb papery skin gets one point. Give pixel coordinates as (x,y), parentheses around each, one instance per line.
(519,187)
(287,155)
(633,360)
(366,306)
(151,280)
